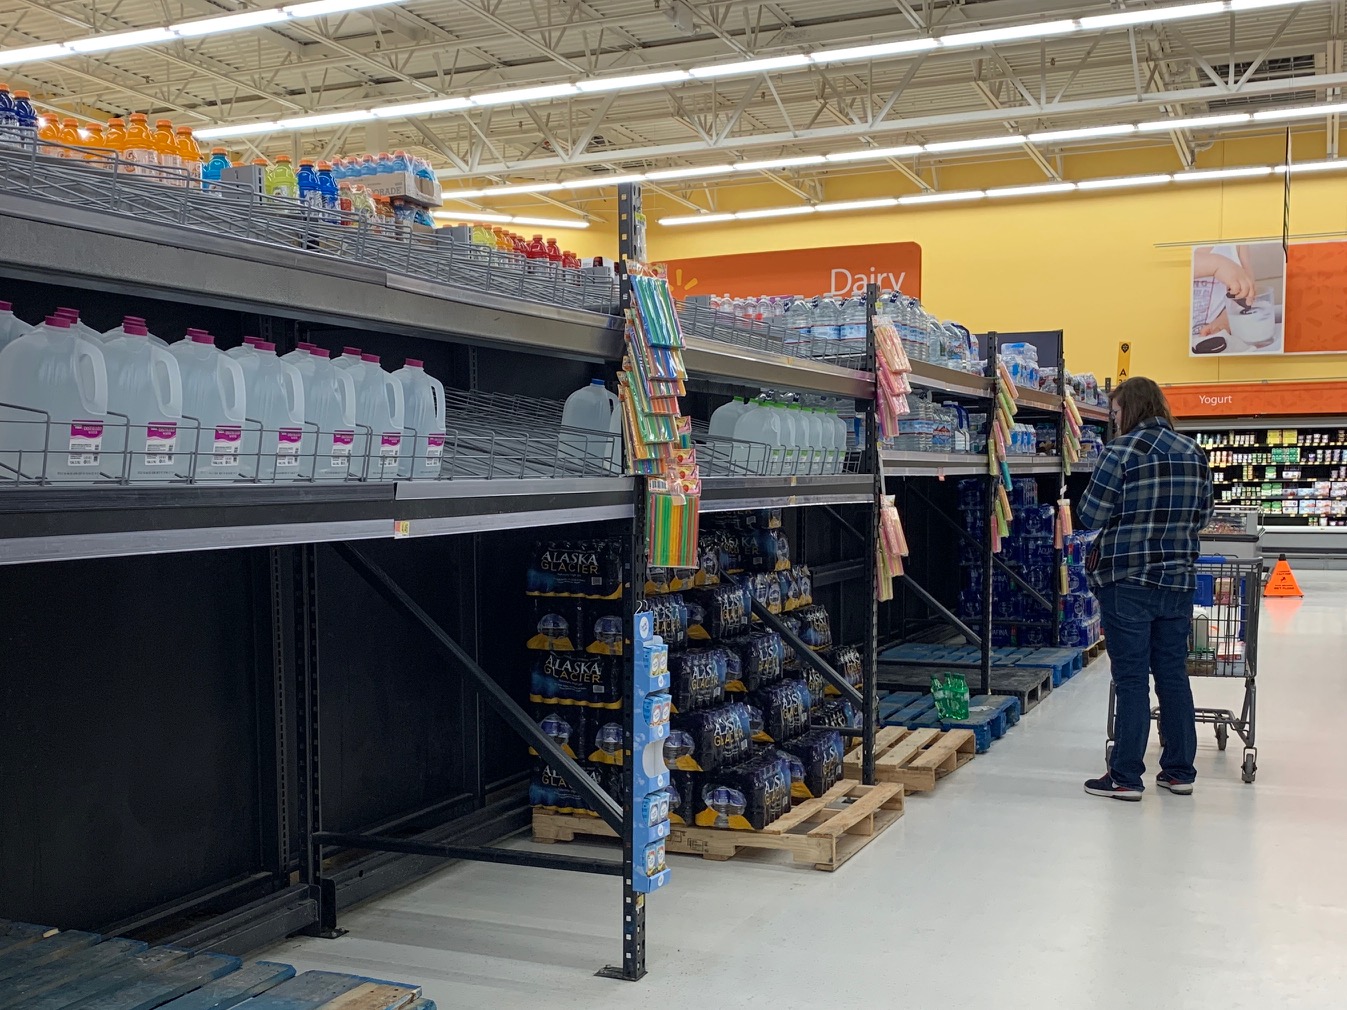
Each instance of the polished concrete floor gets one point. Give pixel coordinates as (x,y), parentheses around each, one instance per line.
(1007,888)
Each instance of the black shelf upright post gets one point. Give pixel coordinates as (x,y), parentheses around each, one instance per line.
(1059,553)
(322,889)
(989,493)
(874,461)
(631,250)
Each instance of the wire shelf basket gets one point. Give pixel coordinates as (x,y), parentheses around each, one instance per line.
(699,319)
(80,177)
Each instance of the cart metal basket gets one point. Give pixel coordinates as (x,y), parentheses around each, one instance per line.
(1223,643)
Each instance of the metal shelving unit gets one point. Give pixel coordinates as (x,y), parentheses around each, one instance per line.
(300,551)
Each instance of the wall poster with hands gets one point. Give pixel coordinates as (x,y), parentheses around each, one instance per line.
(1239,300)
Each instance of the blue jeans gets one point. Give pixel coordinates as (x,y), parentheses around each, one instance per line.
(1146,632)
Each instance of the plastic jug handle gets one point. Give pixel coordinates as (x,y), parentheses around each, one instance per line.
(296,392)
(235,370)
(169,391)
(346,383)
(396,405)
(98,403)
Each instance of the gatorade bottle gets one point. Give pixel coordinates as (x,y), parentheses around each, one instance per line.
(27,117)
(166,152)
(281,181)
(306,182)
(49,136)
(554,253)
(144,384)
(71,141)
(9,118)
(210,172)
(55,385)
(114,139)
(139,154)
(384,166)
(400,162)
(327,187)
(423,431)
(95,146)
(339,170)
(368,166)
(189,157)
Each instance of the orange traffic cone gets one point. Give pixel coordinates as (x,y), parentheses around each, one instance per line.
(1282,581)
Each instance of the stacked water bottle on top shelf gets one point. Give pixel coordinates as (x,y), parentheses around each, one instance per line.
(1019,619)
(83,407)
(1021,358)
(831,327)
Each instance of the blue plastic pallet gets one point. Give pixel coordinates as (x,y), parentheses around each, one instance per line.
(894,702)
(43,969)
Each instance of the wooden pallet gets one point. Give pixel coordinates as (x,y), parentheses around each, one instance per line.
(825,831)
(916,758)
(1094,651)
(44,969)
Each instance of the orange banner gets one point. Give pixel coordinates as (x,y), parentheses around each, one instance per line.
(1257,399)
(838,270)
(1316,298)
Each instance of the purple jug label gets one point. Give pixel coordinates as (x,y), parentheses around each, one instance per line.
(86,442)
(287,446)
(341,449)
(226,451)
(390,438)
(434,446)
(390,443)
(161,440)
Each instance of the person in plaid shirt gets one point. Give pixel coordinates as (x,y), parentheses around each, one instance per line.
(1150,496)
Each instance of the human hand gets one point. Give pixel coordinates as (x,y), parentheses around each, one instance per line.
(1238,281)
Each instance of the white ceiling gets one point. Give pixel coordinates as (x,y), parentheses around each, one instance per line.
(428,48)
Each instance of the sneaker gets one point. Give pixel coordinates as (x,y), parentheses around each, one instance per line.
(1166,781)
(1105,786)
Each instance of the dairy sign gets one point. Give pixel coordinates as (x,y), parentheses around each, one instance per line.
(835,270)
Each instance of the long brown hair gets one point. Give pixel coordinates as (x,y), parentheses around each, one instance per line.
(1139,399)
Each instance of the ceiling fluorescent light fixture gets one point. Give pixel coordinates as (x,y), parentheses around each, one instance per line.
(32,54)
(854,54)
(840,205)
(468,215)
(674,222)
(952,197)
(427,108)
(979,144)
(528,187)
(688,173)
(552,222)
(633,81)
(753,215)
(875,153)
(228,23)
(1037,189)
(537,94)
(326,119)
(1125,181)
(1151,15)
(1307,112)
(1010,33)
(602,180)
(765,166)
(1258,5)
(241,130)
(1313,166)
(749,67)
(1194,122)
(120,40)
(1204,174)
(465,194)
(1084,133)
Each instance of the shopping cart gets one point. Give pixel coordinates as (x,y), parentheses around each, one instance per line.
(1223,643)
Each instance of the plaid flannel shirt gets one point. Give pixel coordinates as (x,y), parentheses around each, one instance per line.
(1150,496)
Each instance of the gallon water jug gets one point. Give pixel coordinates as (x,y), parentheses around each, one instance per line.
(54,397)
(589,408)
(423,405)
(145,385)
(350,358)
(275,394)
(11,326)
(723,421)
(379,415)
(329,406)
(243,350)
(762,424)
(136,325)
(213,395)
(80,329)
(299,355)
(811,440)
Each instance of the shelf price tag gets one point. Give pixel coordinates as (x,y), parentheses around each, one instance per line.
(402,528)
